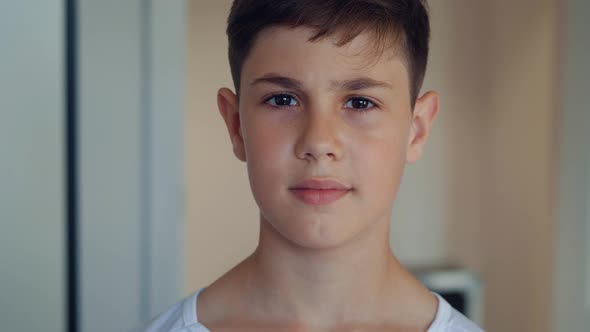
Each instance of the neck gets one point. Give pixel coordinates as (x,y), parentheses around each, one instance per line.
(324,286)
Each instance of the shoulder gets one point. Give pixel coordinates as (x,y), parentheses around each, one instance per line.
(449,319)
(181,317)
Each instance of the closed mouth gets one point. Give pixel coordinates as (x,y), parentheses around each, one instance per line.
(320,191)
(321,184)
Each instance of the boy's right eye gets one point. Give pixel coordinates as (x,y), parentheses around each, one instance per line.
(282,100)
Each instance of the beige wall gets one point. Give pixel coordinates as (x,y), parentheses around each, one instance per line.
(521,128)
(480,198)
(222,219)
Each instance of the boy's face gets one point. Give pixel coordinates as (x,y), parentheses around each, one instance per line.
(314,111)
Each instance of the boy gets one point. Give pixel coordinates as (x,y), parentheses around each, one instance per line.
(326,113)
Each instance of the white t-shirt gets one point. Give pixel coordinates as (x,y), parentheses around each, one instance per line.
(183,317)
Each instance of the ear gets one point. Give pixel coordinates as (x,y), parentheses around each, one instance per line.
(227,102)
(425,110)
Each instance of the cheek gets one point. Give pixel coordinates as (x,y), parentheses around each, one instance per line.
(380,159)
(265,136)
(268,151)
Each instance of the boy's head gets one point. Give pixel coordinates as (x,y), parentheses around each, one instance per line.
(398,26)
(328,113)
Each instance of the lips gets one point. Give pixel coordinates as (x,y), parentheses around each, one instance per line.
(320,191)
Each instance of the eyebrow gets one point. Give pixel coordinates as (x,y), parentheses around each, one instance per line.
(350,85)
(359,84)
(282,81)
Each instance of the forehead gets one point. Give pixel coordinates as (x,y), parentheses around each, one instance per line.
(289,51)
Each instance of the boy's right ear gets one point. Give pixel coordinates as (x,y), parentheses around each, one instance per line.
(227,102)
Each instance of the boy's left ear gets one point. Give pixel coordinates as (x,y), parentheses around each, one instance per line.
(425,110)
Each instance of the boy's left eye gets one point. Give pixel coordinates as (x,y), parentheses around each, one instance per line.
(359,103)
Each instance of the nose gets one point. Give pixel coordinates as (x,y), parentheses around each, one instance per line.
(319,138)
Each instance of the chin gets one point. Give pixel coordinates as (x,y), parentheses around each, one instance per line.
(315,232)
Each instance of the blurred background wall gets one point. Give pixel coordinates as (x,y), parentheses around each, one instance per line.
(571,269)
(164,208)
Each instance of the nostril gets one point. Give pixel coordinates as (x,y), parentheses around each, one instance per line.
(310,155)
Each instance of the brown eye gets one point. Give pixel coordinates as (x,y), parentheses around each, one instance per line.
(282,100)
(359,103)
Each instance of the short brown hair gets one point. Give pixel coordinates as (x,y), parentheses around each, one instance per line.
(385,19)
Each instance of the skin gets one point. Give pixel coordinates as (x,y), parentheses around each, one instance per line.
(313,109)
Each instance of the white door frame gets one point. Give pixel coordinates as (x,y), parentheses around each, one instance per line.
(131,97)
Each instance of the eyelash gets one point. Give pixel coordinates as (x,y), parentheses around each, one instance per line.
(359,110)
